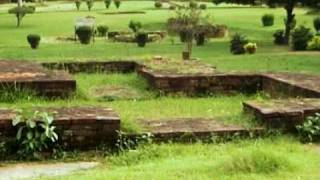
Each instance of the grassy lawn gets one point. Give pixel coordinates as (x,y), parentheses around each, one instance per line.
(273,158)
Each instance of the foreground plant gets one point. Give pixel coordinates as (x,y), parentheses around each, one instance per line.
(251,48)
(309,131)
(35,133)
(34,40)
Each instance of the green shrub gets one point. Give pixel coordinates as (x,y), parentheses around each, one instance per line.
(279,37)
(251,48)
(203,6)
(314,44)
(141,38)
(90,4)
(117,3)
(34,40)
(300,38)
(200,39)
(172,7)
(309,131)
(84,34)
(217,2)
(20,12)
(135,25)
(158,4)
(316,24)
(107,3)
(193,4)
(102,30)
(78,4)
(35,133)
(267,20)
(237,44)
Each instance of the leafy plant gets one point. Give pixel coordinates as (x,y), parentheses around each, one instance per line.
(34,40)
(78,4)
(238,42)
(135,25)
(172,7)
(267,20)
(84,34)
(314,44)
(300,38)
(125,142)
(102,30)
(90,4)
(309,131)
(193,4)
(316,24)
(141,38)
(200,38)
(158,4)
(107,3)
(117,3)
(203,6)
(251,48)
(279,37)
(21,11)
(35,133)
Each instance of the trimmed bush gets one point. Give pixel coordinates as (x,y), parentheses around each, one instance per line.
(300,38)
(135,25)
(117,3)
(34,40)
(237,44)
(203,6)
(158,4)
(84,34)
(193,4)
(200,39)
(279,37)
(78,4)
(107,3)
(267,20)
(90,4)
(316,24)
(102,30)
(141,38)
(20,12)
(251,48)
(314,44)
(172,7)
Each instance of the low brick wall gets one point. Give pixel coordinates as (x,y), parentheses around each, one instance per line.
(93,66)
(202,84)
(77,127)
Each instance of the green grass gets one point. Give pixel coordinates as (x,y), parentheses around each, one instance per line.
(273,158)
(57,20)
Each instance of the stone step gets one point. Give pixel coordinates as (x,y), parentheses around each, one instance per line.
(17,75)
(77,127)
(285,113)
(167,129)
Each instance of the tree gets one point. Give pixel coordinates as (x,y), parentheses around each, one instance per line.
(20,11)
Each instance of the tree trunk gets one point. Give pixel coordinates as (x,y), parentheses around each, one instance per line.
(290,19)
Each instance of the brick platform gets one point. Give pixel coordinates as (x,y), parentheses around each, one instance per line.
(17,75)
(78,127)
(94,66)
(284,114)
(195,127)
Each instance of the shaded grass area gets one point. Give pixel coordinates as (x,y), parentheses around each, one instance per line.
(272,158)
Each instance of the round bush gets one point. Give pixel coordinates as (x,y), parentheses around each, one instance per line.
(107,3)
(172,7)
(84,34)
(237,44)
(316,24)
(267,20)
(314,44)
(251,48)
(135,25)
(300,38)
(102,30)
(203,6)
(158,4)
(141,38)
(117,3)
(34,40)
(279,37)
(193,4)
